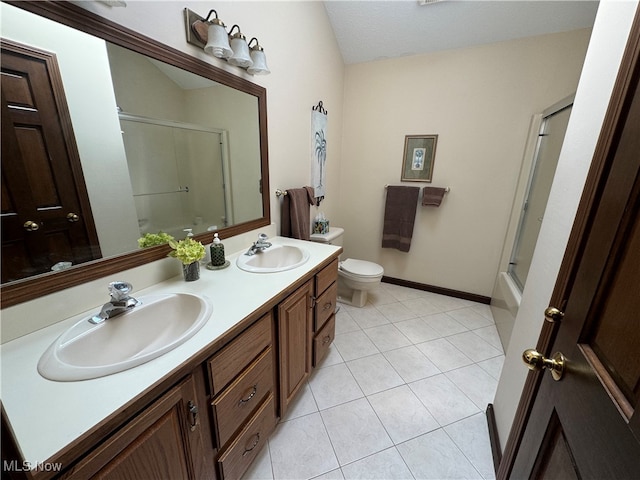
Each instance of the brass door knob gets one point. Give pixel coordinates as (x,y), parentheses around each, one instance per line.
(73,217)
(31,226)
(552,314)
(536,361)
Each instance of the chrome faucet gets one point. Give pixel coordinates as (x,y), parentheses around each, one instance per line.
(259,246)
(120,302)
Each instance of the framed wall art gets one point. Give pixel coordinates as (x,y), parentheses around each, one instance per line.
(419,155)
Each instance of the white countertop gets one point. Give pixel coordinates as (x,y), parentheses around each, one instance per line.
(46,415)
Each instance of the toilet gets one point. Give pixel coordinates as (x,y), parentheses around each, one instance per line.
(355,277)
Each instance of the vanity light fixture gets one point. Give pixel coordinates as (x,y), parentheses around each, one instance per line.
(211,35)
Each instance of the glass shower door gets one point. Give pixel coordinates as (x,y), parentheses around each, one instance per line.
(550,141)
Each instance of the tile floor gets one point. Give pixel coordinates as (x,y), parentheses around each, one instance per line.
(401,395)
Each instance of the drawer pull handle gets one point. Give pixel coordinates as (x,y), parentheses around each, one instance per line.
(326,339)
(193,412)
(328,305)
(254,445)
(251,395)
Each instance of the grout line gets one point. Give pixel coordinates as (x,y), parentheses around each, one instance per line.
(480,476)
(405,383)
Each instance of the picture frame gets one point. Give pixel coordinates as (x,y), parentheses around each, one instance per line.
(419,156)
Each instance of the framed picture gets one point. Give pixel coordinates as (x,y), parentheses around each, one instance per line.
(419,155)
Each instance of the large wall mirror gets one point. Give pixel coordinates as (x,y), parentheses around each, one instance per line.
(164,142)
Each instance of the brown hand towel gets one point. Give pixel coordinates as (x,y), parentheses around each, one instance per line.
(399,217)
(295,216)
(433,195)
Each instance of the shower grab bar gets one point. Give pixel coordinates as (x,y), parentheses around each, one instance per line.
(180,190)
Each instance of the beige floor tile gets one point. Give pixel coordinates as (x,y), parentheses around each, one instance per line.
(374,374)
(355,431)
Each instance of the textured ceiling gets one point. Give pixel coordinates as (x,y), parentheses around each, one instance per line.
(369,30)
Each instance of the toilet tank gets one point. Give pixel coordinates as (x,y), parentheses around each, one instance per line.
(334,237)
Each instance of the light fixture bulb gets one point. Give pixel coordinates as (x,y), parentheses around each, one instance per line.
(218,40)
(259,66)
(240,57)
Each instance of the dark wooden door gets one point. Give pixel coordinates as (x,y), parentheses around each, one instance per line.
(586,425)
(46,216)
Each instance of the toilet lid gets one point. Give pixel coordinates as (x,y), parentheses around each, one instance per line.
(361,267)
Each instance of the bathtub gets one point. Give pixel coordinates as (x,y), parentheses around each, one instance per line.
(505,303)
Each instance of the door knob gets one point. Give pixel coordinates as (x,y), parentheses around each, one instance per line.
(31,226)
(536,361)
(73,217)
(552,314)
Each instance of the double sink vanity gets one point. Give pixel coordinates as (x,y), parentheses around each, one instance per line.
(188,384)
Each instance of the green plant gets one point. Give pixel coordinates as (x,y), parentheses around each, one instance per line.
(187,250)
(153,239)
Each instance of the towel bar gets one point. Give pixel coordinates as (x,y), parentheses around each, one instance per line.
(447,189)
(280,193)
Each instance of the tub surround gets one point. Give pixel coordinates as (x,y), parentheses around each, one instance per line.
(69,411)
(504,306)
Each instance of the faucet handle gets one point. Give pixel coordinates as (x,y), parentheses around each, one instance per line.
(262,238)
(119,291)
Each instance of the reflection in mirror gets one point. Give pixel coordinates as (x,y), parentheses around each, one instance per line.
(166,143)
(178,150)
(171,194)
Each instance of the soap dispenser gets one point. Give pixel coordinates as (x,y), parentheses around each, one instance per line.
(217,253)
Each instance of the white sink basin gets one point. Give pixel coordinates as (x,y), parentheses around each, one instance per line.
(159,324)
(276,258)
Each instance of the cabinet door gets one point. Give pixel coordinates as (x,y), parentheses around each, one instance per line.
(295,317)
(158,443)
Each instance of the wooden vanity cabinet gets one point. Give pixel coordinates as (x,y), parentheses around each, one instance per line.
(306,328)
(163,441)
(326,296)
(243,393)
(211,420)
(295,324)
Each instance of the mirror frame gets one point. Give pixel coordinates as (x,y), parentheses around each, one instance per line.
(76,17)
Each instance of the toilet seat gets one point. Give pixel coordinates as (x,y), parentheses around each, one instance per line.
(361,268)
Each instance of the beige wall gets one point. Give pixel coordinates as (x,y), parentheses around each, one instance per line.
(480,102)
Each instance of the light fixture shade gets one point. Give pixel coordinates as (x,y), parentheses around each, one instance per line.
(259,66)
(240,57)
(218,41)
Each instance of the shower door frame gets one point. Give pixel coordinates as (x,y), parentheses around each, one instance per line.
(537,133)
(224,147)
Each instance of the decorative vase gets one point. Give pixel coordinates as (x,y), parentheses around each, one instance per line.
(191,271)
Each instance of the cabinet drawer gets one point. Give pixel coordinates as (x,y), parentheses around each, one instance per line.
(232,359)
(323,340)
(235,459)
(326,277)
(235,404)
(325,306)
